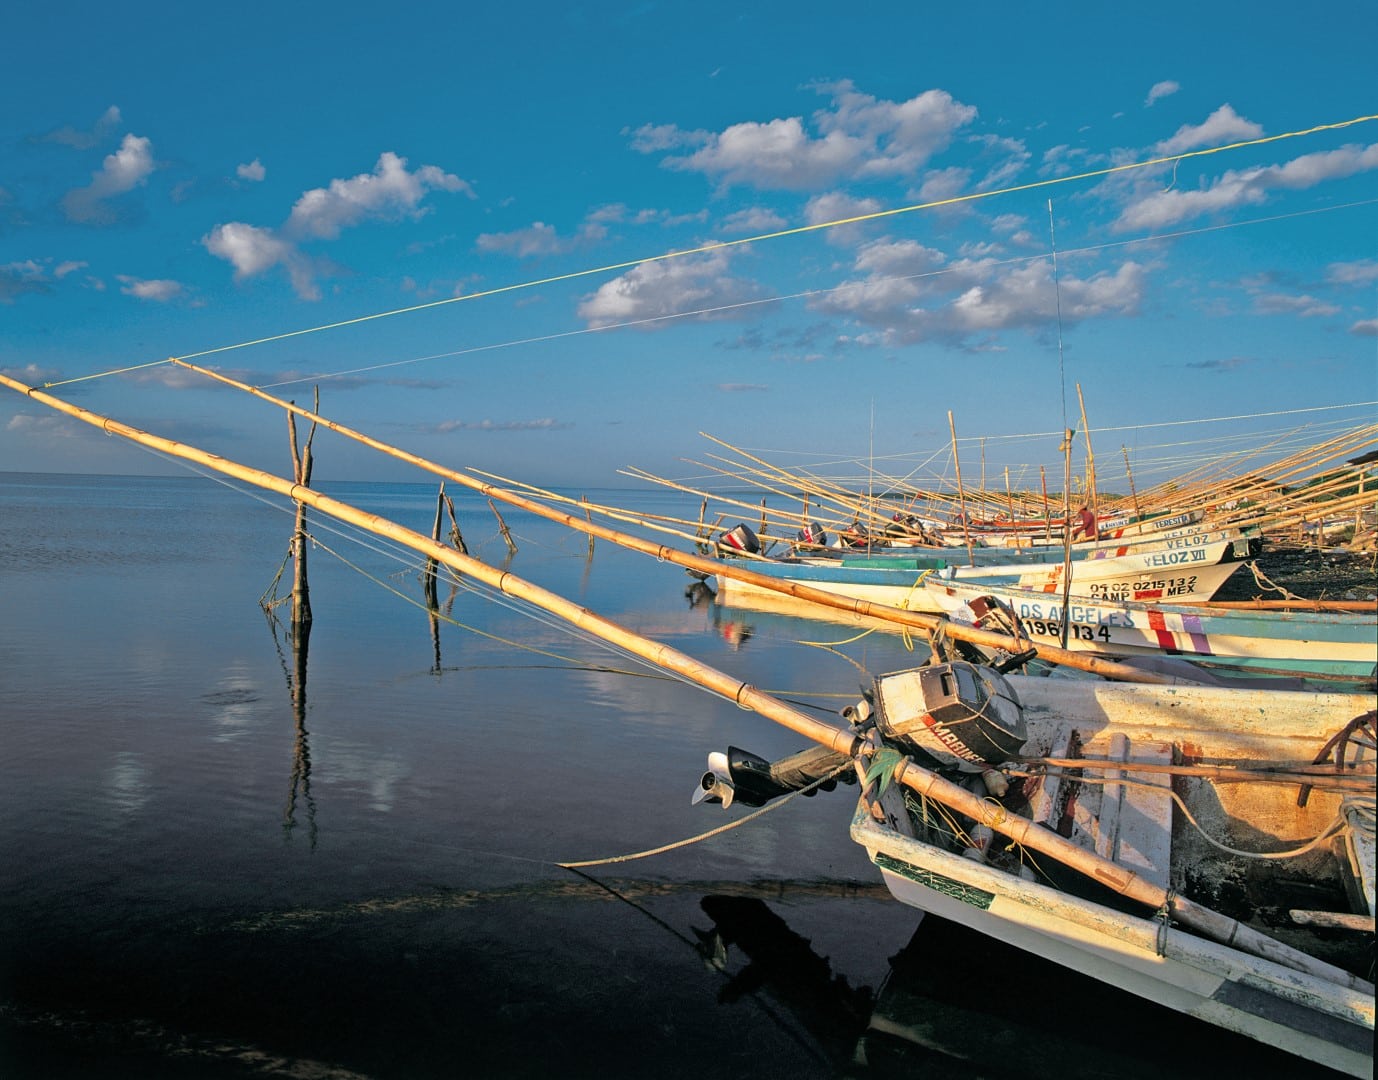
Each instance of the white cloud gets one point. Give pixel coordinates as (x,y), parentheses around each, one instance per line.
(836,206)
(1362,272)
(253,170)
(161,291)
(45,426)
(860,137)
(543,424)
(653,138)
(31,374)
(940,184)
(1303,306)
(538,238)
(85,140)
(1222,126)
(1365,328)
(1164,208)
(32,276)
(898,258)
(389,193)
(668,287)
(1161,90)
(122,171)
(753,221)
(250,249)
(973,298)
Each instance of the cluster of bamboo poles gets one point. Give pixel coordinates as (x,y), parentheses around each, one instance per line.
(1317,483)
(907,772)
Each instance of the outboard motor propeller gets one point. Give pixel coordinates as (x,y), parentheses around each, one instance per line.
(741,776)
(738,776)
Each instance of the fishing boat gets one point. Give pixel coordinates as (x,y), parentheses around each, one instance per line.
(1208,849)
(1246,542)
(1192,573)
(1336,645)
(939,730)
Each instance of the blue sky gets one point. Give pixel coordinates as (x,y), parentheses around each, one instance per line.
(178,182)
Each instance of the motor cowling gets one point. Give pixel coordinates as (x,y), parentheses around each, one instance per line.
(742,539)
(960,714)
(812,533)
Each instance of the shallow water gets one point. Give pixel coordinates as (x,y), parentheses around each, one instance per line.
(213,867)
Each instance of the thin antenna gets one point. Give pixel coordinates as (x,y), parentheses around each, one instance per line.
(1057,292)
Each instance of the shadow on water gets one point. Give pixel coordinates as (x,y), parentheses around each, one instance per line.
(437,990)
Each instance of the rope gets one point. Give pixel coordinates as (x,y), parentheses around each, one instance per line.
(722,245)
(1264,582)
(1336,826)
(712,832)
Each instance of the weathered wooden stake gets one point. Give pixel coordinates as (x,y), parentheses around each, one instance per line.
(301,471)
(502,528)
(428,575)
(456,537)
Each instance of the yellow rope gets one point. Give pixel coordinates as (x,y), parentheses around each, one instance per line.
(712,832)
(778,234)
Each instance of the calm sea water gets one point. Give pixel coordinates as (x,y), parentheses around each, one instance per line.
(221,858)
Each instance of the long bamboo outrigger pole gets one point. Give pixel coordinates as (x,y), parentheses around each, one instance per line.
(1024,831)
(1108,669)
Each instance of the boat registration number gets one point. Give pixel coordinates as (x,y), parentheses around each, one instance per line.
(1144,589)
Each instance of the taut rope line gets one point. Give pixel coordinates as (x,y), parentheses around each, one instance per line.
(721,245)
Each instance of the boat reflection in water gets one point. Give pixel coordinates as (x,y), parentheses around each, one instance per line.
(958,1004)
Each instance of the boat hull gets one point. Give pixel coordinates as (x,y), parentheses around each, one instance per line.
(1289,643)
(1153,818)
(1267,1002)
(1188,574)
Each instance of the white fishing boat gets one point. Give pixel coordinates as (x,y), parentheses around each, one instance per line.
(1336,645)
(1203,794)
(1190,573)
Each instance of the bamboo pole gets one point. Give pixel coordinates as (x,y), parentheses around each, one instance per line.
(1090,460)
(1316,776)
(1047,511)
(1066,448)
(711,567)
(966,530)
(1130,474)
(907,772)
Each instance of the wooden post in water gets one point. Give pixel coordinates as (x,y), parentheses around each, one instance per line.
(456,537)
(588,516)
(502,528)
(428,574)
(301,471)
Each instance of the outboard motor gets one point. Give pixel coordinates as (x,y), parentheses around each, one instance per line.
(959,714)
(812,533)
(744,777)
(743,539)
